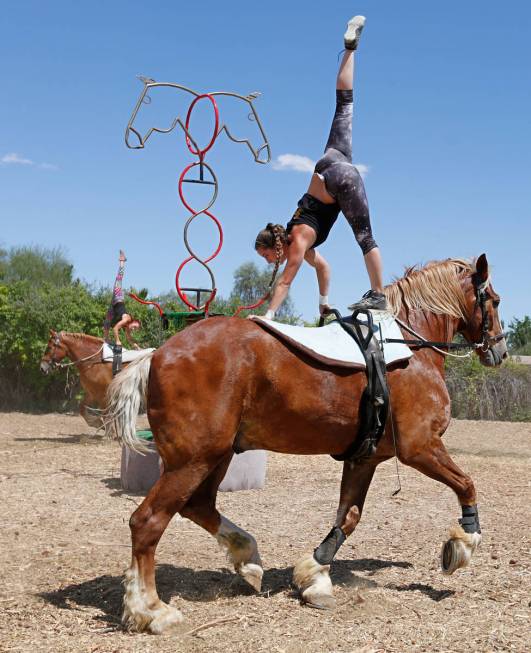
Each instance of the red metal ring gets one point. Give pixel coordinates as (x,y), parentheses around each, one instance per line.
(201,153)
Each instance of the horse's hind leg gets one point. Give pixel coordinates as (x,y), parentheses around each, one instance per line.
(434,461)
(311,573)
(241,547)
(143,610)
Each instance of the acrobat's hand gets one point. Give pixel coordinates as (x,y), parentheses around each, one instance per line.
(324,309)
(269,315)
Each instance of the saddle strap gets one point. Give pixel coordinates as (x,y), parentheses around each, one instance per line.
(374,402)
(116,359)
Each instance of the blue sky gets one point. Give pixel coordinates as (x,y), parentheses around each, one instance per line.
(442,128)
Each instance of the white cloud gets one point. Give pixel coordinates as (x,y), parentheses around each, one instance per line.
(12,158)
(300,163)
(48,166)
(293,162)
(363,169)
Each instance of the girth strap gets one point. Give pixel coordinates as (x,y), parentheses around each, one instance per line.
(374,402)
(116,359)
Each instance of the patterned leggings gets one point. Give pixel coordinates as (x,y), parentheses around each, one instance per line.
(342,179)
(117,296)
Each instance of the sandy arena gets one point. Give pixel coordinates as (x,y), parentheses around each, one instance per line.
(64,544)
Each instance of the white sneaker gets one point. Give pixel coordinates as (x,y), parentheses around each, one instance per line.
(353,33)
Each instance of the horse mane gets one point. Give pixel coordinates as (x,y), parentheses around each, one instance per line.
(84,336)
(434,287)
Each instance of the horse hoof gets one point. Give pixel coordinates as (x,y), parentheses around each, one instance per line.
(314,599)
(458,550)
(252,574)
(314,584)
(164,618)
(155,620)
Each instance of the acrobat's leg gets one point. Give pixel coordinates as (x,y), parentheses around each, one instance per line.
(311,573)
(433,460)
(343,180)
(117,291)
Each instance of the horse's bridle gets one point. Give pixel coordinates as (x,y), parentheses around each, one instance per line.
(487,341)
(56,364)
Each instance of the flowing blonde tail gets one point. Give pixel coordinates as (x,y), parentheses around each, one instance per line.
(125,397)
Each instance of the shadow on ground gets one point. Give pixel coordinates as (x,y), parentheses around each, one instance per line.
(106,592)
(73,438)
(428,590)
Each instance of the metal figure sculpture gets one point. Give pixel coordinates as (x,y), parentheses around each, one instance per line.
(261,154)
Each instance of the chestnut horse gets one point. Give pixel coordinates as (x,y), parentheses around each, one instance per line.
(85,352)
(225,385)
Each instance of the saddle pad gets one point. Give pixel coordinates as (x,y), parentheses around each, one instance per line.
(333,346)
(128,355)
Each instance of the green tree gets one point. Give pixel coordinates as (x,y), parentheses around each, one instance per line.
(250,285)
(519,336)
(36,265)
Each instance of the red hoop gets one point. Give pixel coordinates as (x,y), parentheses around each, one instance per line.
(201,153)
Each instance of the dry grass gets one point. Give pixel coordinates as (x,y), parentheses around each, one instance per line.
(64,543)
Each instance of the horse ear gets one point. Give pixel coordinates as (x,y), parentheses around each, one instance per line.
(482,267)
(52,333)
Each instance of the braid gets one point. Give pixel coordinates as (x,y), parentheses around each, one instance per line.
(279,234)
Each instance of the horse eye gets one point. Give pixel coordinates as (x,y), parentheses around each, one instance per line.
(496,303)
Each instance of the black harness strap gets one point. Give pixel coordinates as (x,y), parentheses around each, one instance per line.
(374,402)
(116,359)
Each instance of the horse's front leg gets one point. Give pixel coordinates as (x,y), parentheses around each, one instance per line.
(433,460)
(312,573)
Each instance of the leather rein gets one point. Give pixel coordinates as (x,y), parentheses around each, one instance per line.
(486,340)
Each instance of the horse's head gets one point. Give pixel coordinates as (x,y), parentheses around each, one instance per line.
(260,149)
(482,326)
(54,353)
(133,139)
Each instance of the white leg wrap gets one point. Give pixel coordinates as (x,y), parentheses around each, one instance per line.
(458,550)
(242,551)
(313,581)
(142,614)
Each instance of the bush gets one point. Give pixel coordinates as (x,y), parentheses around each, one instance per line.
(489,393)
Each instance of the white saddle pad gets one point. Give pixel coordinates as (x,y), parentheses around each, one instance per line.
(332,345)
(128,355)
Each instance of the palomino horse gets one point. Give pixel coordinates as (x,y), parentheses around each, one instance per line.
(227,385)
(85,352)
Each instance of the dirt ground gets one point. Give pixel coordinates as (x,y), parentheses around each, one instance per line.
(64,543)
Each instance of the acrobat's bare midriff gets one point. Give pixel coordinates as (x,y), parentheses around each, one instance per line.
(317,189)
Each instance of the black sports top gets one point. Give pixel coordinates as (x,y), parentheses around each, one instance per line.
(317,215)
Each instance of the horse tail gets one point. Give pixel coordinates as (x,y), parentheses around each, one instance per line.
(126,395)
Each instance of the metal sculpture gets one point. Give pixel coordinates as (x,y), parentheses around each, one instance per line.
(261,154)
